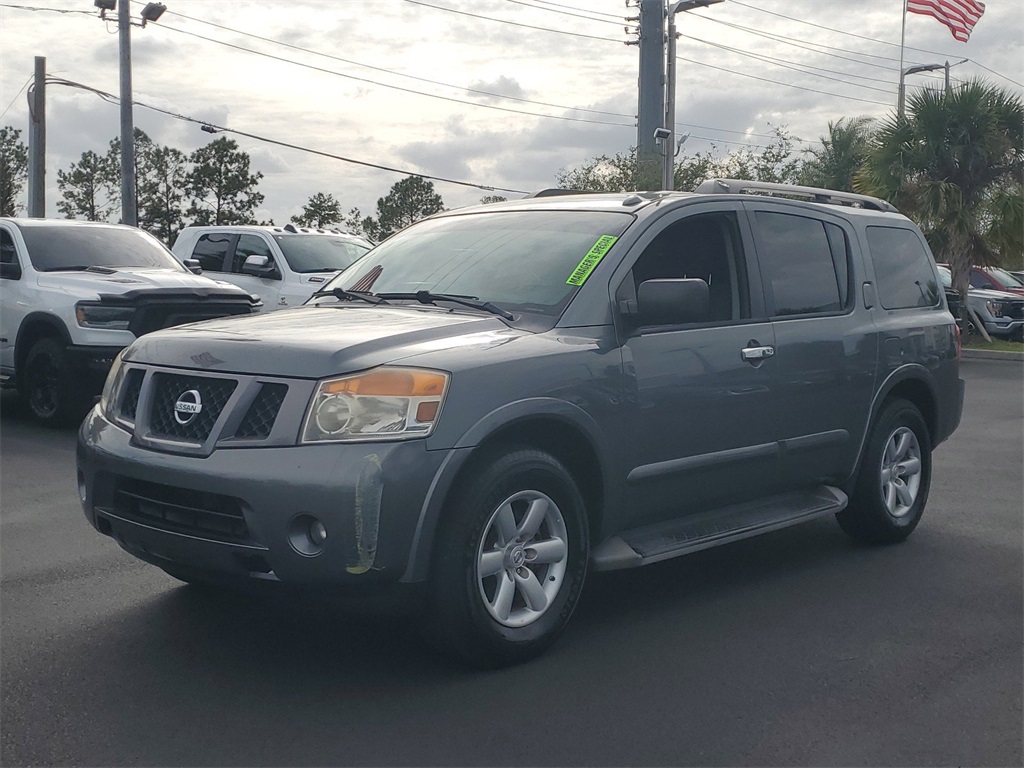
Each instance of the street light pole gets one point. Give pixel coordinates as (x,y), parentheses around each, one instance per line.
(668,170)
(902,97)
(129,208)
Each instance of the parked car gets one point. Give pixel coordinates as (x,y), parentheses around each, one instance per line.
(1017,274)
(76,293)
(993,279)
(284,265)
(1001,312)
(501,398)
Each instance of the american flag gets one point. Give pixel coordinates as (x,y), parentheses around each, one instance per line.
(959,15)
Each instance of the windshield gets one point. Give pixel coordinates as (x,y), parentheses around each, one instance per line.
(321,253)
(945,277)
(55,248)
(527,261)
(1005,279)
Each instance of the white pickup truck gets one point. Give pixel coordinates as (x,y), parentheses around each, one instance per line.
(284,265)
(73,294)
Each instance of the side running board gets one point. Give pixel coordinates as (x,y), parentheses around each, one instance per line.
(654,543)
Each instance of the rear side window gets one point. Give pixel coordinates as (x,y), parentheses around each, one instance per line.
(211,250)
(805,267)
(903,269)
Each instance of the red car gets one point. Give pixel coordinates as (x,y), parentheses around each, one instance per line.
(996,279)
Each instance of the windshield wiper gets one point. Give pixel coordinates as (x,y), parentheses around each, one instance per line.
(427,297)
(342,294)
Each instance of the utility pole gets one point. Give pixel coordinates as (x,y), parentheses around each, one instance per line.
(37,142)
(651,103)
(129,212)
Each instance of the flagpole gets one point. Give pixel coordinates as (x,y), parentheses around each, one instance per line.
(900,93)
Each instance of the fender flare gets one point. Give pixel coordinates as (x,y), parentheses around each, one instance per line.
(462,450)
(909,372)
(31,320)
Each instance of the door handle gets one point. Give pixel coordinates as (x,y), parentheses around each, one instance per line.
(757,353)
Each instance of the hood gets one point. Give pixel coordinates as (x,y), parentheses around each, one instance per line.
(314,342)
(989,295)
(115,281)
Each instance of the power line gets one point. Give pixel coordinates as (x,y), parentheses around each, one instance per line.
(872,39)
(54,10)
(804,44)
(300,64)
(391,71)
(793,65)
(575,8)
(110,98)
(777,82)
(837,31)
(393,87)
(513,23)
(567,13)
(29,80)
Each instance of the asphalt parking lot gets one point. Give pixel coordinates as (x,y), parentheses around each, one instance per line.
(795,648)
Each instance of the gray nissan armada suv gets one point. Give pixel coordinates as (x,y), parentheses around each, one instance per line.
(500,398)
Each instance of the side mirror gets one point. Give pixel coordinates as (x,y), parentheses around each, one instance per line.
(10,270)
(193,266)
(260,266)
(673,302)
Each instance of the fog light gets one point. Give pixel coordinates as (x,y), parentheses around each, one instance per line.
(307,535)
(83,492)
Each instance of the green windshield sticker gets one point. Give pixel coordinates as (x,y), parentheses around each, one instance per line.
(592,259)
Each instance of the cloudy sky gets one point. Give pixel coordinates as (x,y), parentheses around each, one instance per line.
(498,93)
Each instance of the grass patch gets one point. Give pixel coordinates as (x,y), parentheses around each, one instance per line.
(997,345)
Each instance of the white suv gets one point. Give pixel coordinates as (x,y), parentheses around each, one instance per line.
(284,265)
(75,293)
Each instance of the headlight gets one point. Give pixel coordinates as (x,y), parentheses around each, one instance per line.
(106,317)
(111,387)
(395,403)
(995,308)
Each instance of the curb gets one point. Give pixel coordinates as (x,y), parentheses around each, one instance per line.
(990,354)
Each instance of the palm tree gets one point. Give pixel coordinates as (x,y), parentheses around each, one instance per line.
(954,164)
(842,152)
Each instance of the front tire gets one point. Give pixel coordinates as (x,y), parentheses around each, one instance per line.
(510,561)
(895,476)
(49,386)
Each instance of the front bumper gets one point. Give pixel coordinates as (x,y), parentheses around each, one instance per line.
(177,510)
(1005,328)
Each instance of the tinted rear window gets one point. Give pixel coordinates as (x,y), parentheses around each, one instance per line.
(903,269)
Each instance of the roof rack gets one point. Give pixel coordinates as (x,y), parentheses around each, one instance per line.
(812,194)
(554,192)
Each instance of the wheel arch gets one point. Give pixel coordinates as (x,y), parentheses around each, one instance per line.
(911,383)
(36,326)
(564,430)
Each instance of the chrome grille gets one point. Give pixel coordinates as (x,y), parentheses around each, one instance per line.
(168,388)
(259,419)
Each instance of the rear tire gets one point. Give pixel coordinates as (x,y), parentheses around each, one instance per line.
(510,561)
(48,385)
(895,476)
